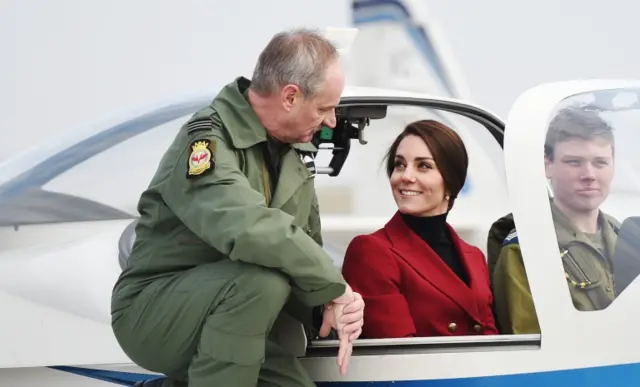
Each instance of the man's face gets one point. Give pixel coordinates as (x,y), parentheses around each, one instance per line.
(307,115)
(581,173)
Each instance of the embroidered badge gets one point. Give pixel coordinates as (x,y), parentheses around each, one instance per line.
(201,158)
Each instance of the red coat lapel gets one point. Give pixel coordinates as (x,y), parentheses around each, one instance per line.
(421,257)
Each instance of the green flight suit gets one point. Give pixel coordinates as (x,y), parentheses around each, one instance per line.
(219,253)
(586,260)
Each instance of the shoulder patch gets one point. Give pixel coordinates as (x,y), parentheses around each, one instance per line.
(511,238)
(205,123)
(201,159)
(309,162)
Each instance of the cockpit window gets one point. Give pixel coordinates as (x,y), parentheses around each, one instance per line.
(361,192)
(364,170)
(593,167)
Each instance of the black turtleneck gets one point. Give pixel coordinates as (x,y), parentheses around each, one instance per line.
(434,231)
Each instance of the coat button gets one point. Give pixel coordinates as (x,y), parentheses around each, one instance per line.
(477,328)
(452,327)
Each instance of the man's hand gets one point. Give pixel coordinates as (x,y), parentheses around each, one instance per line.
(345,315)
(353,317)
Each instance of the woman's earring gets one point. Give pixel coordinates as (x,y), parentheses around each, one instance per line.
(446,197)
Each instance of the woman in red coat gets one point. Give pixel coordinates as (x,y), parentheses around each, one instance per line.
(417,277)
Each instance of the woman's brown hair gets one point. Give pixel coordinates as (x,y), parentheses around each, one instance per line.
(447,148)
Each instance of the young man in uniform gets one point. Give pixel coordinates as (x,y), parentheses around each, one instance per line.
(579,162)
(229,234)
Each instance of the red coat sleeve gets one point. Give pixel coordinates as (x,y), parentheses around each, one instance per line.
(372,270)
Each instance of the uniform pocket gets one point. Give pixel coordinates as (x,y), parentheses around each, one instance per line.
(236,349)
(580,267)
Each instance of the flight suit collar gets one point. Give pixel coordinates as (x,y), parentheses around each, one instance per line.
(564,228)
(609,235)
(591,269)
(236,112)
(567,232)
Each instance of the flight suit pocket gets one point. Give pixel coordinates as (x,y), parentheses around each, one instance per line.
(579,267)
(236,349)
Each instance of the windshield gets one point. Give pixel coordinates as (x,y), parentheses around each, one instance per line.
(362,188)
(593,168)
(99,177)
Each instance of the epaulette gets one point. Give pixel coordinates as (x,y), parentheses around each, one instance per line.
(308,159)
(204,123)
(511,238)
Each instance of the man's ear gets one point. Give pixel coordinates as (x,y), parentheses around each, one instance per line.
(290,95)
(547,167)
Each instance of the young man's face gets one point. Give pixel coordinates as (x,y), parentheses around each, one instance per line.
(581,173)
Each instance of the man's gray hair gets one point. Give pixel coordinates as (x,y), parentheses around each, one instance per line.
(298,57)
(576,122)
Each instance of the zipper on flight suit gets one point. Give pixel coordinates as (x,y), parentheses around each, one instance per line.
(266,182)
(269,171)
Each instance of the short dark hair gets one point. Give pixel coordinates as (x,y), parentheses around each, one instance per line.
(576,122)
(447,148)
(299,57)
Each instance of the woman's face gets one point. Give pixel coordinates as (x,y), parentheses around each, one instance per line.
(416,182)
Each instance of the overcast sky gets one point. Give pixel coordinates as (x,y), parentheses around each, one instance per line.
(72,62)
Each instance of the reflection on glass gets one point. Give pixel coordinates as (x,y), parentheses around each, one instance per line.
(592,166)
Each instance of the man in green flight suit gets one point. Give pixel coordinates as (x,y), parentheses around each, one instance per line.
(579,162)
(229,233)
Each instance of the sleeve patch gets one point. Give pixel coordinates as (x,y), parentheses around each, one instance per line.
(511,238)
(201,159)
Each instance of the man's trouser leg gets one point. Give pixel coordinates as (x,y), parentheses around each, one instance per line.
(209,326)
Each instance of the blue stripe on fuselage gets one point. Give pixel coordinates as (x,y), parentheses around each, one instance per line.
(606,376)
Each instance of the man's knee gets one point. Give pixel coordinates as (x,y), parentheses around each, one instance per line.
(267,287)
(233,339)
